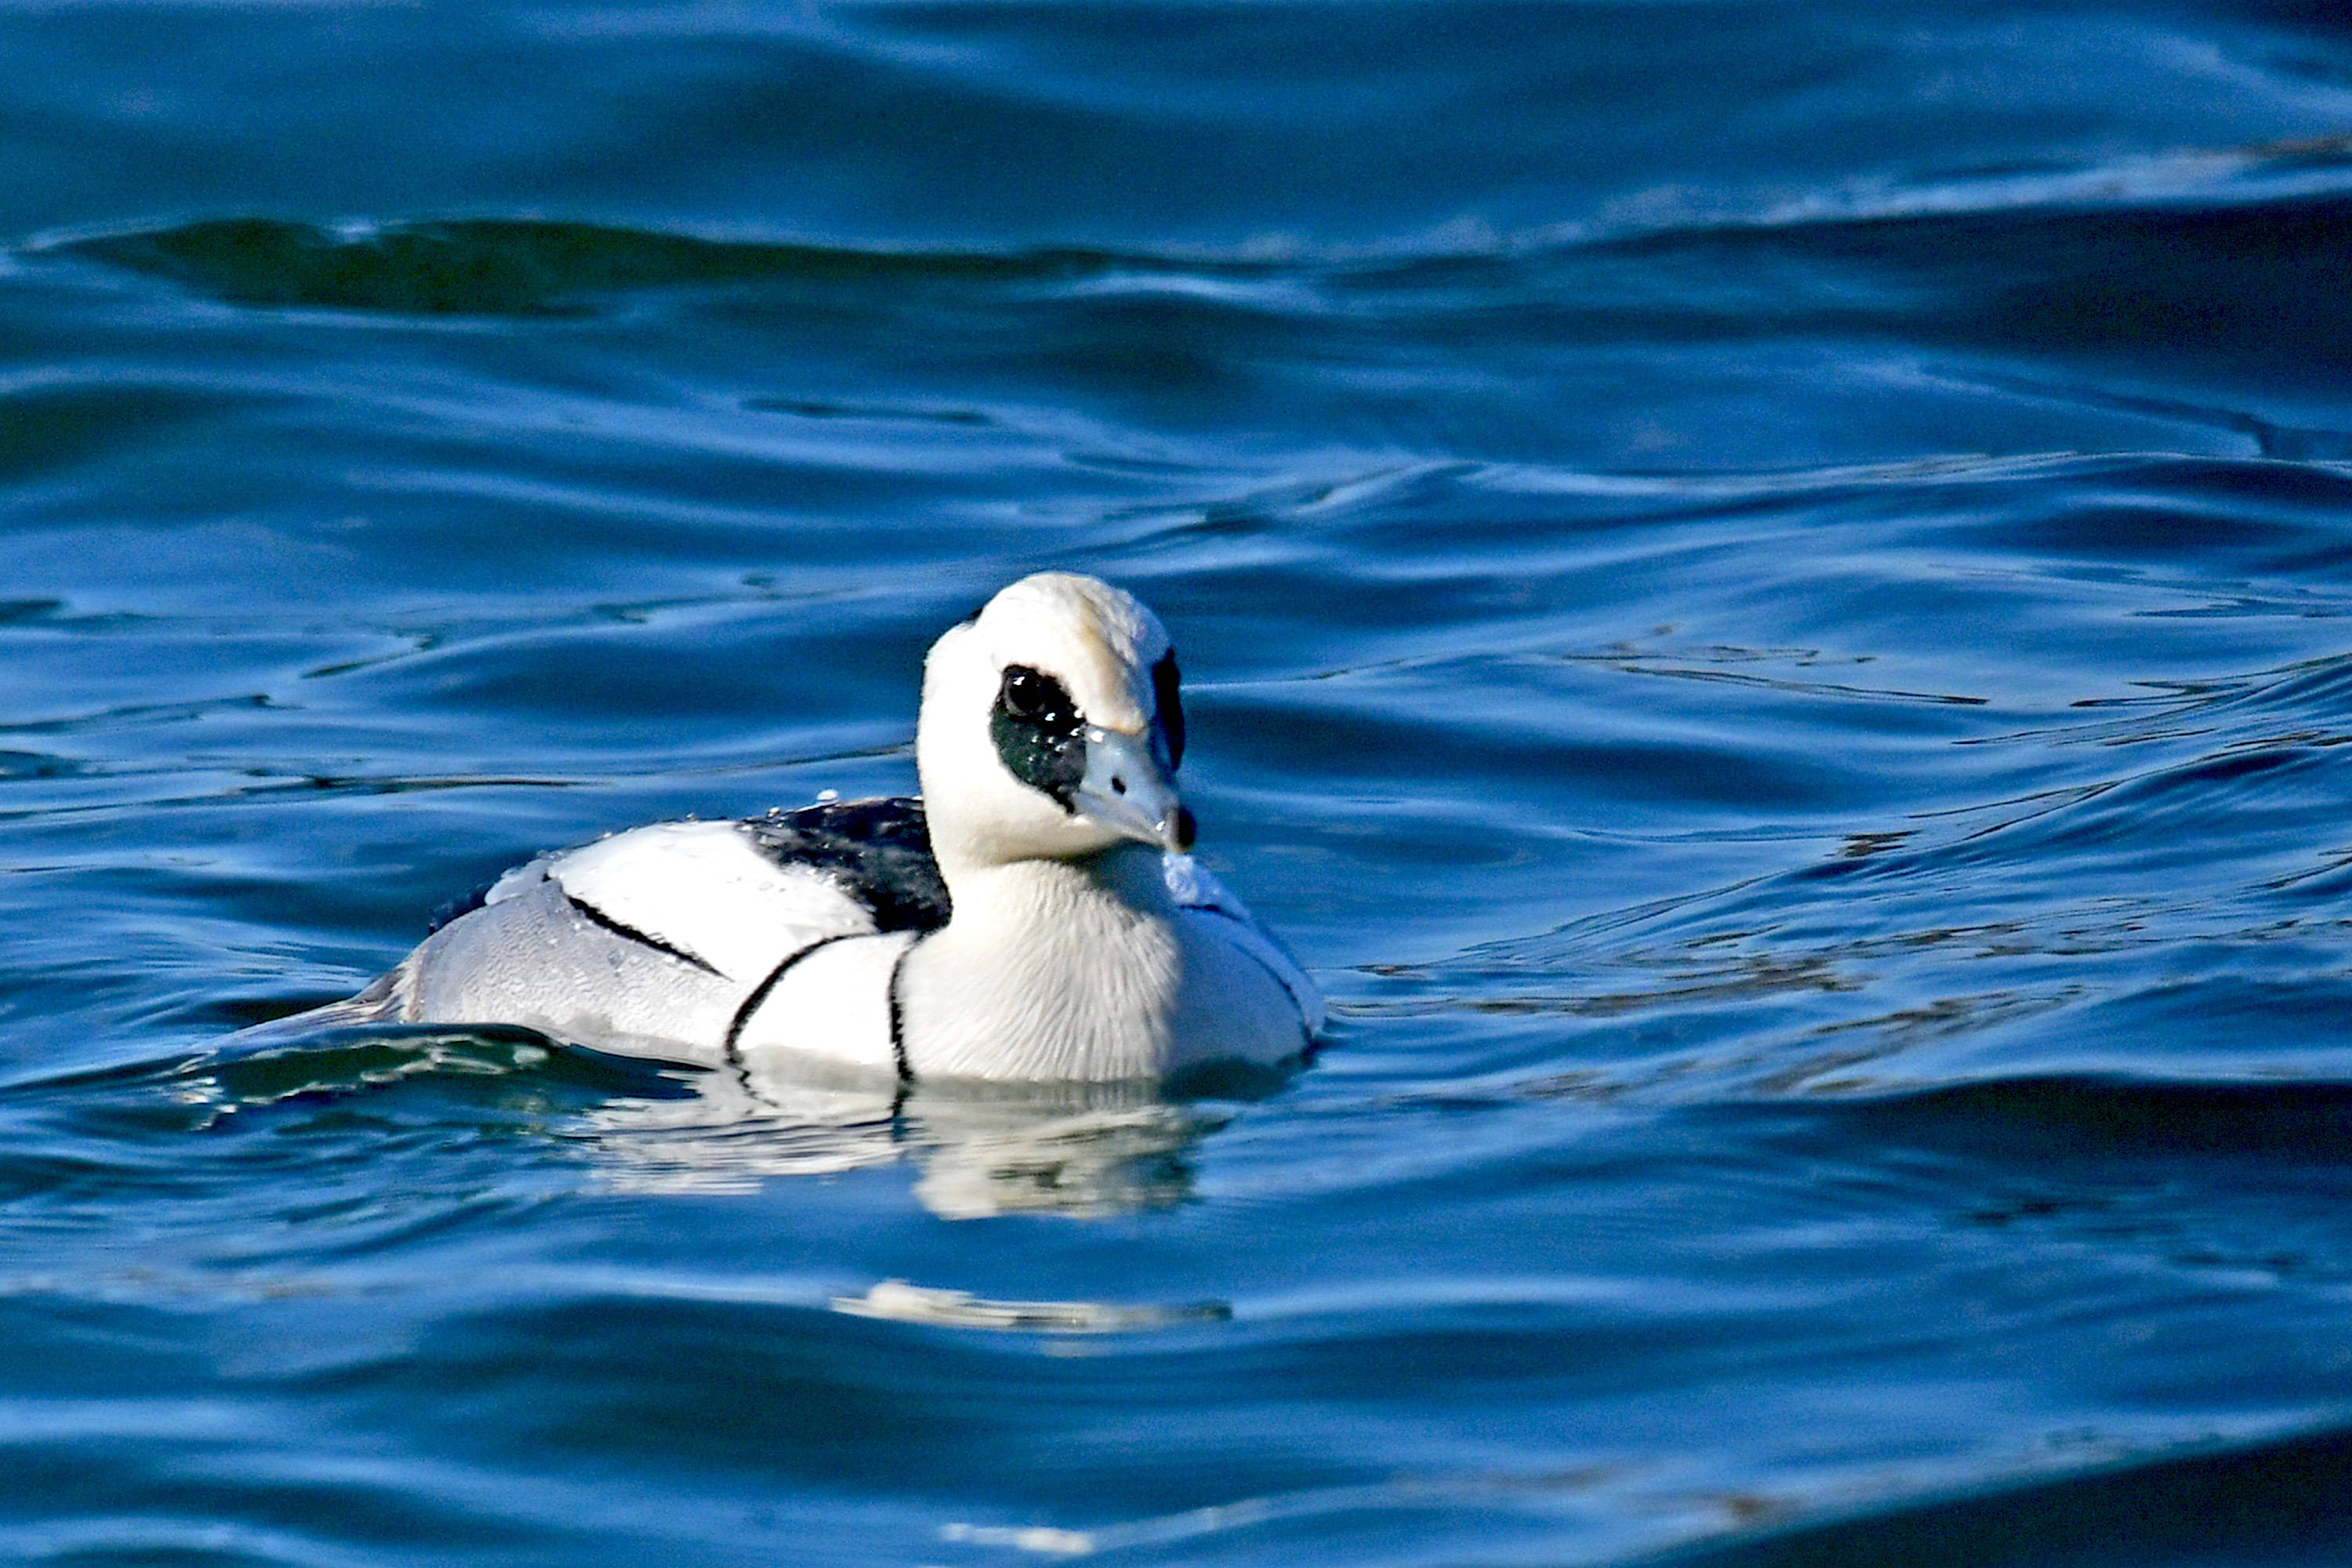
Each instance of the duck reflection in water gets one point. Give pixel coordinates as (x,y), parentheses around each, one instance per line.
(1072,1148)
(1080,1149)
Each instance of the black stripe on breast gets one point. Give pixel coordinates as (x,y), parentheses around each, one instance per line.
(594,916)
(735,1025)
(899,1018)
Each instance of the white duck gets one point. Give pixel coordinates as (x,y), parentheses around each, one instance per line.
(1083,941)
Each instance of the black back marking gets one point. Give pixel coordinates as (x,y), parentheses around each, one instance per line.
(1039,734)
(1166,683)
(597,917)
(876,851)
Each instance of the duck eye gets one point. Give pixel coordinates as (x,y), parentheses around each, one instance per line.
(1026,694)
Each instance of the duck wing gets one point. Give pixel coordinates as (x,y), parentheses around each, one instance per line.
(652,941)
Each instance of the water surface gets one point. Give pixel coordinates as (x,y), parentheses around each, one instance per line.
(1765,596)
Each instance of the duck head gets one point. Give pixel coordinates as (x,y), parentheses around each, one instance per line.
(1052,728)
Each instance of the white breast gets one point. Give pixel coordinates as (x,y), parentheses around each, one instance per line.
(829,1008)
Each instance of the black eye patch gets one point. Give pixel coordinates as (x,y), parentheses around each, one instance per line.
(1039,734)
(1165,679)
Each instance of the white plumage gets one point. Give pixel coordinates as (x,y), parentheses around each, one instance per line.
(1034,917)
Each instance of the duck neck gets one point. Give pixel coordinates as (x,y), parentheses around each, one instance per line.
(1063,968)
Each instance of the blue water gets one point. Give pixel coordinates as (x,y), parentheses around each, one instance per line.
(1766,593)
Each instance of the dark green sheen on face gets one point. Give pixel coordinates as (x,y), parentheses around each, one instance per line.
(1039,734)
